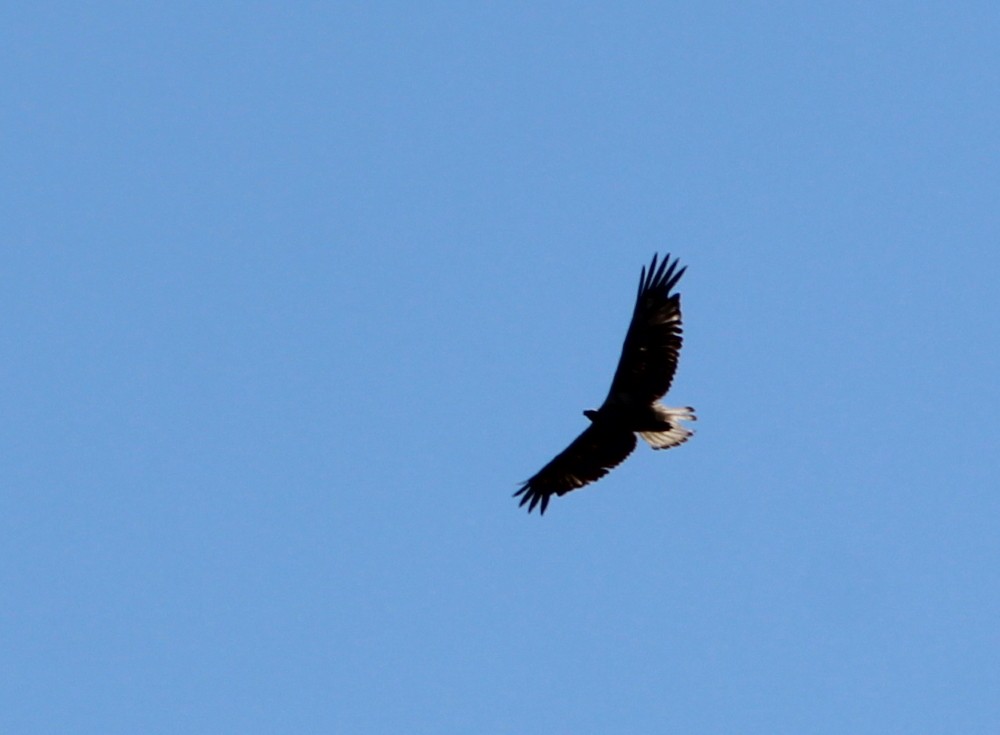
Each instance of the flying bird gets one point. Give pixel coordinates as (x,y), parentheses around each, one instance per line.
(645,370)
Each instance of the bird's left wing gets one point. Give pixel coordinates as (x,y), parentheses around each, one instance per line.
(588,458)
(653,341)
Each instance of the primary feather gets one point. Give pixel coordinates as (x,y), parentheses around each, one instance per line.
(645,371)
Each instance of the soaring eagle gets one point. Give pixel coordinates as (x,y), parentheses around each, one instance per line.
(645,371)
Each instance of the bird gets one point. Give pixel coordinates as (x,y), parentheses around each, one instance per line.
(644,374)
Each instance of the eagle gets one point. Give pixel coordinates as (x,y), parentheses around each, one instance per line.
(644,374)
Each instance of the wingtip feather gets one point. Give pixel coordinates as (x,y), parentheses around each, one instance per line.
(533,498)
(663,273)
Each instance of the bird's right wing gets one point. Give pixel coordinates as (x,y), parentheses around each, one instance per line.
(588,458)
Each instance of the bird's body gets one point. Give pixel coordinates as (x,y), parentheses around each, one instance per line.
(645,372)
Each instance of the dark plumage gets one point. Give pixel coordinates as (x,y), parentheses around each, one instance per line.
(645,370)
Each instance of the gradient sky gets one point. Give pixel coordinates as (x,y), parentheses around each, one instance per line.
(295,294)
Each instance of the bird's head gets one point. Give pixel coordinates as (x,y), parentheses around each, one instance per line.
(590,414)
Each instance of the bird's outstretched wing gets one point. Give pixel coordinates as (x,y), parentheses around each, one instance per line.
(649,355)
(588,458)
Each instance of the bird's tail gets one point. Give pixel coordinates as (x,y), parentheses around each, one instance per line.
(673,432)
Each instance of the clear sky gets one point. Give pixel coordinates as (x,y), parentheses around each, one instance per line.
(294,295)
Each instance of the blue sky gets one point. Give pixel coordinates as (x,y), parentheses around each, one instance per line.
(295,294)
